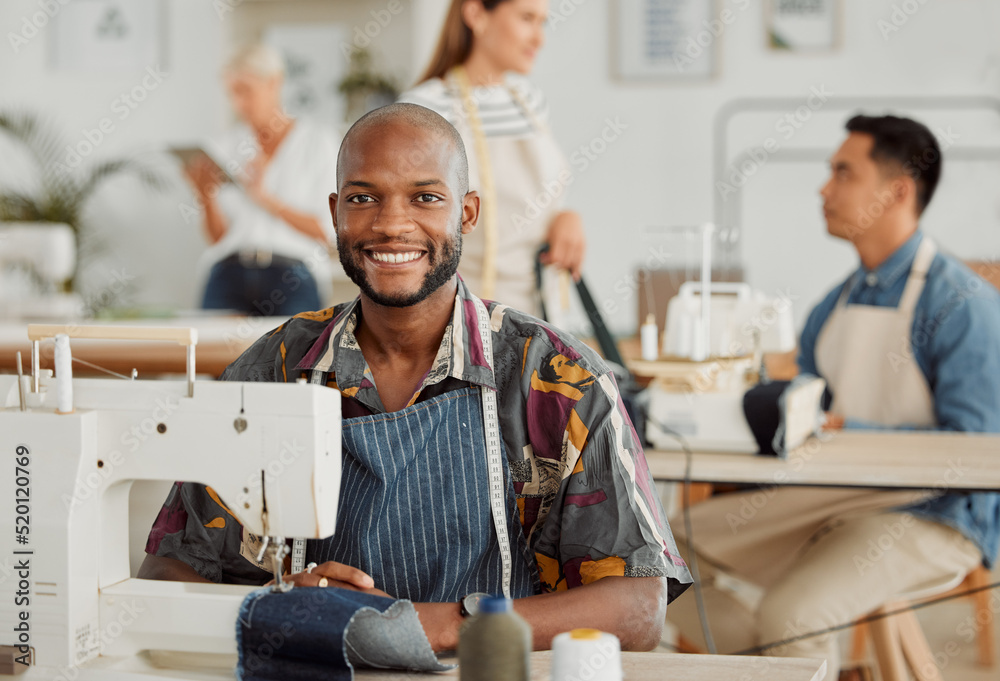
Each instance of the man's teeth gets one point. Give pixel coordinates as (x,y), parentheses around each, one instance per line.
(395,257)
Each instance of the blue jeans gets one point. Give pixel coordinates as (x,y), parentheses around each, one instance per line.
(284,288)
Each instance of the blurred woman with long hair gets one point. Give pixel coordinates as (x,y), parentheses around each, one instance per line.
(476,80)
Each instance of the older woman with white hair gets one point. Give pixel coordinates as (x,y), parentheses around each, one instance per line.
(269,231)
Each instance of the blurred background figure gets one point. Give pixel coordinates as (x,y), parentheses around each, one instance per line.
(475,80)
(266,216)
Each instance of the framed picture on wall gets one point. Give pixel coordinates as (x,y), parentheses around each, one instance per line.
(803,25)
(668,39)
(108,36)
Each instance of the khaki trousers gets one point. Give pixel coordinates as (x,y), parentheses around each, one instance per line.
(844,568)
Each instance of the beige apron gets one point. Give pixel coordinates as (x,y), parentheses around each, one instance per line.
(526,174)
(758,534)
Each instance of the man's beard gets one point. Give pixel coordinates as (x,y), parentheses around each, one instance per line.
(439,275)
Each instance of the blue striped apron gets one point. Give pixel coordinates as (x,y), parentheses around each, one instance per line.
(414,509)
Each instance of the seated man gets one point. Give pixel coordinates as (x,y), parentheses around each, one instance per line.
(418,359)
(911,340)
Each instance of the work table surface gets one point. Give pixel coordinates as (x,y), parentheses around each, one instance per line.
(890,459)
(221,339)
(636,667)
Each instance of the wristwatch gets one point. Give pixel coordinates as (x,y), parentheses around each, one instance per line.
(470,604)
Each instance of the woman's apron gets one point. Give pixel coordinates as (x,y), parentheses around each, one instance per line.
(427,504)
(758,534)
(529,181)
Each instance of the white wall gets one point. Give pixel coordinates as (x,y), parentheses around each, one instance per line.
(145,239)
(657,173)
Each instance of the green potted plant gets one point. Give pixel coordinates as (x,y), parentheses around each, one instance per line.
(42,230)
(365,88)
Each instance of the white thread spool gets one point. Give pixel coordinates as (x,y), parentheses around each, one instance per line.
(586,655)
(649,338)
(64,375)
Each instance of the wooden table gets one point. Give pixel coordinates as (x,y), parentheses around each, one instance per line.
(670,667)
(636,667)
(221,339)
(889,459)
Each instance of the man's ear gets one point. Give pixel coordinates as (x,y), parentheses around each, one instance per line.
(470,212)
(904,190)
(333,209)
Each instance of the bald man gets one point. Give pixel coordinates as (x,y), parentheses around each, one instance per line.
(424,368)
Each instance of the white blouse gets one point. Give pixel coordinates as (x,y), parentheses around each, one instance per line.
(301,174)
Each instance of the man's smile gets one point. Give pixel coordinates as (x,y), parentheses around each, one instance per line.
(393,257)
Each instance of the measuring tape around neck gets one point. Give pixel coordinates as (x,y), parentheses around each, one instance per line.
(494,452)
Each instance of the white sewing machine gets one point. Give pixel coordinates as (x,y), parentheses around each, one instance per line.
(711,355)
(270,450)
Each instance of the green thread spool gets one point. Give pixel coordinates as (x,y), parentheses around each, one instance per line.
(495,645)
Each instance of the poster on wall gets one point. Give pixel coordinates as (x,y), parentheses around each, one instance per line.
(108,36)
(314,67)
(672,39)
(802,25)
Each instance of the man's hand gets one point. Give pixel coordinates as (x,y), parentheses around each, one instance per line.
(567,243)
(833,422)
(335,574)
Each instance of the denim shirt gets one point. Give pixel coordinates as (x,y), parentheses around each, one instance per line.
(955,341)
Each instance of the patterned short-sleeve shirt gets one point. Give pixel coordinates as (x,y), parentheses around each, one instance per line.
(587,504)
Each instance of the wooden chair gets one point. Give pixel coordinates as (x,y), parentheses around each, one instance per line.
(899,642)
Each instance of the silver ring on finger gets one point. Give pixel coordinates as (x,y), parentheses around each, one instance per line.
(309,567)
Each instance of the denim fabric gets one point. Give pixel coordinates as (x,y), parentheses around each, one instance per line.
(304,634)
(956,343)
(414,504)
(283,289)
